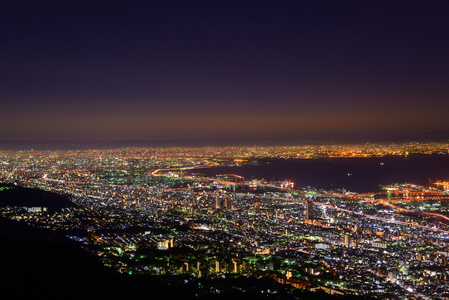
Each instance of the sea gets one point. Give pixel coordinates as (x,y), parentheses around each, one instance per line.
(361,175)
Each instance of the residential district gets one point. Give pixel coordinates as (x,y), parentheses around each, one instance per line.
(150,211)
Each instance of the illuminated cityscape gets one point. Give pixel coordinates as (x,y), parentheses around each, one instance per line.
(269,149)
(150,211)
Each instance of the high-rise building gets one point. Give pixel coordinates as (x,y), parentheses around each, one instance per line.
(309,210)
(257,207)
(227,203)
(217,203)
(217,266)
(245,265)
(236,266)
(347,241)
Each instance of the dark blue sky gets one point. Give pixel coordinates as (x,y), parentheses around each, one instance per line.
(162,70)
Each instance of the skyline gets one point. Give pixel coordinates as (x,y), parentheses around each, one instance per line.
(198,71)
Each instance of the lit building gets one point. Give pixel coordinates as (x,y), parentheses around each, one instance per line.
(347,241)
(227,203)
(309,210)
(217,203)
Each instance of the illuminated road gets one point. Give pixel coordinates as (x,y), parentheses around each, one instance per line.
(381,201)
(68,182)
(212,164)
(359,213)
(322,204)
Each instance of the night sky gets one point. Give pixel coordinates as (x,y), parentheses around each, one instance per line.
(105,71)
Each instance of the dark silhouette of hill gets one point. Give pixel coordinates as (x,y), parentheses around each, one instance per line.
(36,264)
(27,197)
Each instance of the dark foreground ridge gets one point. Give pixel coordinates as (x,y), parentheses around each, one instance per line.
(27,197)
(38,264)
(48,267)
